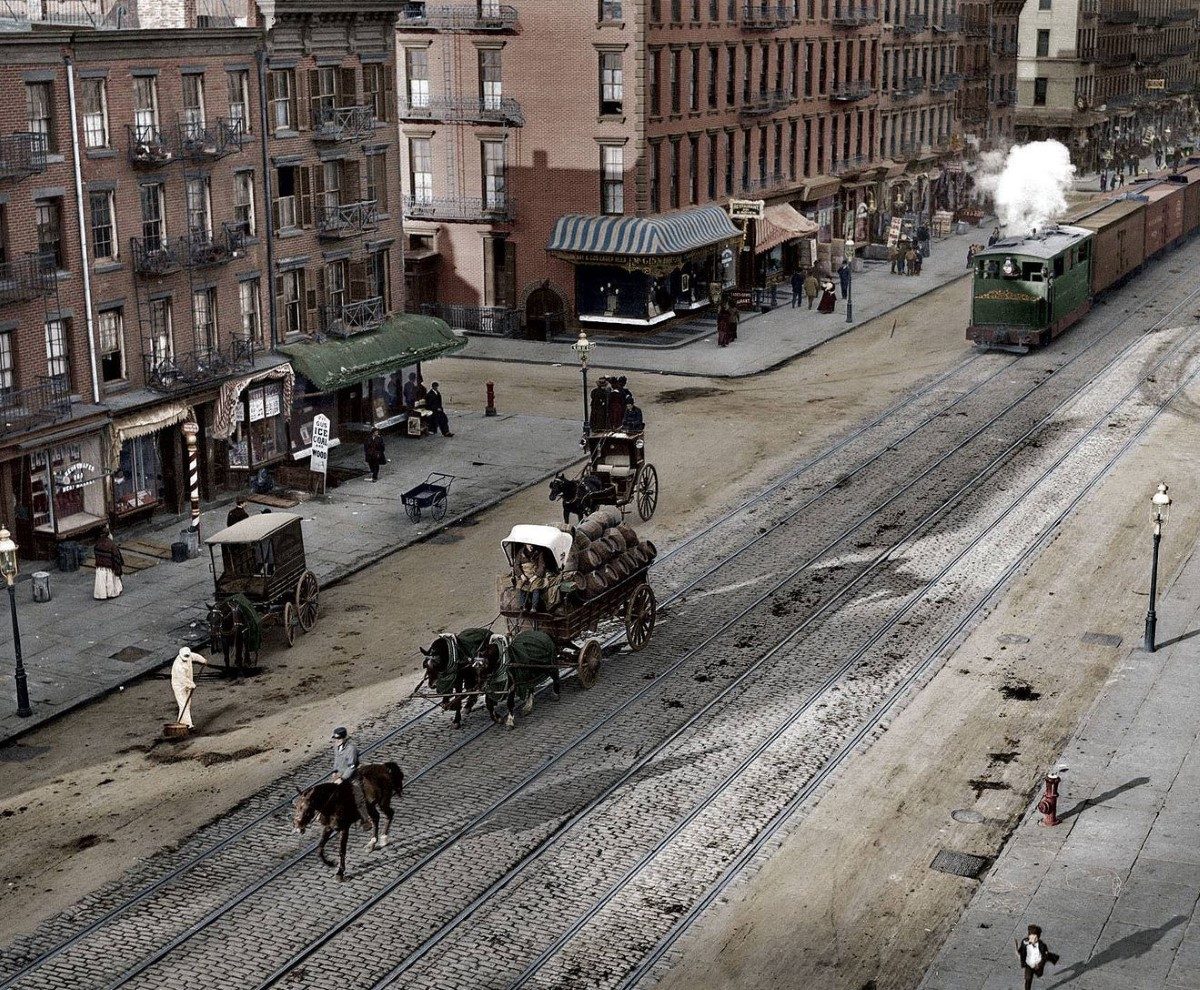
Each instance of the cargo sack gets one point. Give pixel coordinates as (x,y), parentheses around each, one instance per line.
(510,600)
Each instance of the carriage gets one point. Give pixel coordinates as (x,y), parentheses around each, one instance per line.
(263,581)
(630,600)
(618,460)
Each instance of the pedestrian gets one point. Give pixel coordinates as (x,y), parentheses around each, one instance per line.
(828,299)
(797,287)
(433,402)
(811,287)
(374,451)
(970,255)
(1104,182)
(238,512)
(844,277)
(410,390)
(726,324)
(918,260)
(183,683)
(893,258)
(994,236)
(910,261)
(616,405)
(1034,954)
(923,241)
(1119,180)
(110,565)
(345,769)
(598,411)
(626,392)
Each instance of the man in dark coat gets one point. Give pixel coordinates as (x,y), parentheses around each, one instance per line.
(844,277)
(598,408)
(1034,954)
(616,406)
(797,288)
(433,402)
(237,513)
(373,449)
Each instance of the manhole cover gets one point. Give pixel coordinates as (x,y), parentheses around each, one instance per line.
(129,654)
(967,817)
(959,864)
(21,754)
(1100,639)
(1012,639)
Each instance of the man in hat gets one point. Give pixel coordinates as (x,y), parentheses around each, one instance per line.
(183,683)
(237,513)
(1034,954)
(345,769)
(433,402)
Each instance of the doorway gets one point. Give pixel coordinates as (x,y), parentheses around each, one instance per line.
(544,313)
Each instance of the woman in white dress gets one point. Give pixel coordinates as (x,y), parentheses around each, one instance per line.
(109,567)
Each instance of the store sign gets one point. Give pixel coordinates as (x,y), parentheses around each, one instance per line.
(746,209)
(1156,84)
(320,444)
(78,475)
(894,231)
(257,406)
(727,257)
(272,402)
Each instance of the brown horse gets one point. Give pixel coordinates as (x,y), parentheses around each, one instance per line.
(335,806)
(457,684)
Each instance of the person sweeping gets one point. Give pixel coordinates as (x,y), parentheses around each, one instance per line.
(183,683)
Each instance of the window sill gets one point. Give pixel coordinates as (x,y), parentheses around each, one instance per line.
(611,118)
(285,133)
(619,25)
(115,388)
(289,232)
(105,268)
(54,158)
(101,152)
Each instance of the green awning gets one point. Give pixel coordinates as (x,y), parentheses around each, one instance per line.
(401,342)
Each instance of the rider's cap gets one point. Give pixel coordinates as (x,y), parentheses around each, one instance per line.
(339,733)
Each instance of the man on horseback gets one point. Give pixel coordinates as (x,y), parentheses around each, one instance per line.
(345,769)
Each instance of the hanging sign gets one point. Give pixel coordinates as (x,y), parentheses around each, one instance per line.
(320,444)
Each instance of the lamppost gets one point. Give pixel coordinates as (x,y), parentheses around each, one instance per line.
(1160,509)
(8,567)
(583,347)
(850,281)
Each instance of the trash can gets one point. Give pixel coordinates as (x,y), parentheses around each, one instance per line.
(179,552)
(191,539)
(41,586)
(69,554)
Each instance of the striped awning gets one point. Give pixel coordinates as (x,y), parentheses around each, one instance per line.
(781,223)
(663,235)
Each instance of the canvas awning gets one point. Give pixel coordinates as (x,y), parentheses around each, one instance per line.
(818,187)
(662,235)
(224,419)
(402,341)
(781,223)
(143,422)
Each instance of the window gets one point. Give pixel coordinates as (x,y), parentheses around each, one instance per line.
(379,272)
(287,196)
(145,108)
(1039,91)
(729,163)
(714,60)
(204,318)
(694,80)
(93,101)
(162,342)
(673,174)
(104,225)
(712,166)
(376,90)
(7,376)
(1043,4)
(39,106)
(199,208)
(612,89)
(335,287)
(492,153)
(243,203)
(675,67)
(653,84)
(655,171)
(239,102)
(694,168)
(111,326)
(377,181)
(192,117)
(1043,43)
(490,91)
(154,227)
(416,71)
(730,77)
(48,216)
(251,310)
(612,179)
(420,169)
(290,290)
(745,159)
(747,84)
(281,95)
(610,11)
(331,181)
(58,363)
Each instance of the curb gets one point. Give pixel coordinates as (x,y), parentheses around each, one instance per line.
(332,582)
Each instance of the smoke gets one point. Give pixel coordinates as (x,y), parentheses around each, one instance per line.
(1029,186)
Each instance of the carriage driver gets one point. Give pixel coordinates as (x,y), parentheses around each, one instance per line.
(345,769)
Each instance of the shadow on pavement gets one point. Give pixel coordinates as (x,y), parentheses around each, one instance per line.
(1108,795)
(1129,947)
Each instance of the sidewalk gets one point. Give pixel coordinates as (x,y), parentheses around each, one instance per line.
(1115,885)
(77,649)
(764,341)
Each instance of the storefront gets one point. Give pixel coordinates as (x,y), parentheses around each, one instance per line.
(145,449)
(782,240)
(641,271)
(249,424)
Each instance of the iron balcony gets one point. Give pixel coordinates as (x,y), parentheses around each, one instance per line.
(205,248)
(181,372)
(26,278)
(913,24)
(148,146)
(911,87)
(208,143)
(21,155)
(765,16)
(951,81)
(343,123)
(1114,58)
(494,321)
(851,165)
(764,183)
(482,16)
(350,318)
(24,409)
(851,93)
(1123,15)
(346,219)
(450,109)
(465,208)
(951,23)
(767,103)
(851,15)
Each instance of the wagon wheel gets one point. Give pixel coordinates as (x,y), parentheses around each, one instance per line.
(647,491)
(639,617)
(589,663)
(439,506)
(290,622)
(307,591)
(412,510)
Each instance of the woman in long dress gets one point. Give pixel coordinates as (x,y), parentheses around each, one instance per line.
(110,565)
(828,299)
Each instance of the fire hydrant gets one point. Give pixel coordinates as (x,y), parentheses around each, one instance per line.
(491,400)
(1048,805)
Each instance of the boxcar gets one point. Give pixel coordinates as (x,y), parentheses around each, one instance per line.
(1120,229)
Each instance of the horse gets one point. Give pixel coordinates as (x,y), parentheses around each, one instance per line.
(227,632)
(455,682)
(335,806)
(581,497)
(501,682)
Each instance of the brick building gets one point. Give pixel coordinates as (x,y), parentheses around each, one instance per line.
(574,167)
(187,190)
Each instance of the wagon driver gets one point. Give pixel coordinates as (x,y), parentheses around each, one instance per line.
(183,683)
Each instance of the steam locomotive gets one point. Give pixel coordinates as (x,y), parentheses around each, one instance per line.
(1028,290)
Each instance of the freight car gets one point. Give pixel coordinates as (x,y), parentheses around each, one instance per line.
(1028,290)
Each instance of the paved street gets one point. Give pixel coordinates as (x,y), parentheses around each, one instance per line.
(1115,887)
(355,524)
(578,849)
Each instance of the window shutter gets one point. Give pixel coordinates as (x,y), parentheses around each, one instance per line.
(360,280)
(349,86)
(304,195)
(300,101)
(270,98)
(314,97)
(389,91)
(312,322)
(279,301)
(352,180)
(275,204)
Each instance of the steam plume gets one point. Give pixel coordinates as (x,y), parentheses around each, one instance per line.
(1029,186)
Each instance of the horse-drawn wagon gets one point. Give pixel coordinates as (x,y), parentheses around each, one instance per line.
(616,473)
(263,580)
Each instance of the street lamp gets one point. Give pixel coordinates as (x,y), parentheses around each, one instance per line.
(1160,509)
(8,567)
(850,280)
(583,347)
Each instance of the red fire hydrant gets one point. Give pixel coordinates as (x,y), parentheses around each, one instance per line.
(1048,805)
(491,400)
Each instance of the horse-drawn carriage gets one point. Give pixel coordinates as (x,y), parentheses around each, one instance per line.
(264,580)
(616,473)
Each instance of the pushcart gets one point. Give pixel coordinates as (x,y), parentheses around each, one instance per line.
(430,494)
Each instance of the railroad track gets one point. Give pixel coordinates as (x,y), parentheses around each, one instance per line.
(130,976)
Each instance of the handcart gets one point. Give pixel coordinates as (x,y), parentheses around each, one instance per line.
(430,494)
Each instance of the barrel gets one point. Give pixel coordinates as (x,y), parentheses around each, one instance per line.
(69,554)
(41,586)
(179,551)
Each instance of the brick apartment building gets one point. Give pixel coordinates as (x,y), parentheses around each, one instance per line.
(1107,77)
(573,167)
(187,191)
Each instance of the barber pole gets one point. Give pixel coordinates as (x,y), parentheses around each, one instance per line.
(191,430)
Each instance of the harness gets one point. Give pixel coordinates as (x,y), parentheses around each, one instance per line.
(500,682)
(446,682)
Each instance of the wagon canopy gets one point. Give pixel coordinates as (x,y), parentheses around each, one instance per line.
(547,537)
(253,529)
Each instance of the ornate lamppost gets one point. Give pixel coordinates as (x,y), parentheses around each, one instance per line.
(1160,510)
(583,348)
(8,567)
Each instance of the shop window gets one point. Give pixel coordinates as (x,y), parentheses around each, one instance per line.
(261,436)
(138,482)
(65,489)
(94,102)
(104,225)
(111,326)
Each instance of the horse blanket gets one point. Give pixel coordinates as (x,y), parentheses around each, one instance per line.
(461,649)
(524,661)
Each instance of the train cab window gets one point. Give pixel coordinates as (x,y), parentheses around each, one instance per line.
(1031,271)
(1085,250)
(1058,266)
